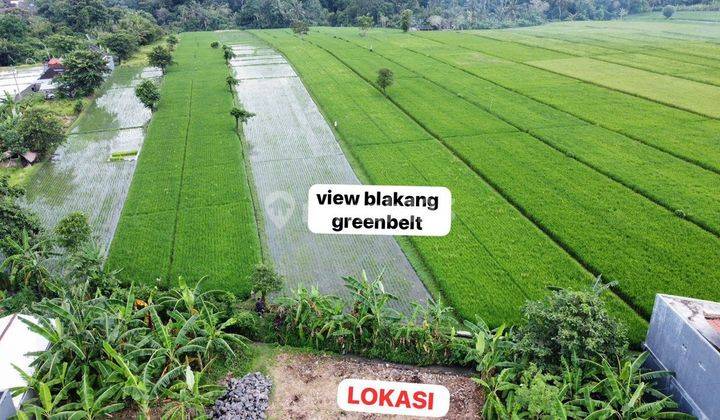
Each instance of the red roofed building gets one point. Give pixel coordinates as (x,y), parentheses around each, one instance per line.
(55,63)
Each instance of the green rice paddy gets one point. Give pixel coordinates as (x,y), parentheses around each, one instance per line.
(559,171)
(189,210)
(572,150)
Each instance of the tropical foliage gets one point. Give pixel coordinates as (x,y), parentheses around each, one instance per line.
(126,348)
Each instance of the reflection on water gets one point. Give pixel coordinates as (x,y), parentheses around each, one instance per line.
(79,177)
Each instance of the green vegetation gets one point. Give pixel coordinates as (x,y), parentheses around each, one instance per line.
(160,57)
(241,116)
(84,72)
(589,169)
(300,27)
(385,79)
(14,220)
(73,231)
(189,210)
(148,93)
(265,280)
(144,349)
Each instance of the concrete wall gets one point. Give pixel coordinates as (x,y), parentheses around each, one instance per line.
(676,345)
(7,409)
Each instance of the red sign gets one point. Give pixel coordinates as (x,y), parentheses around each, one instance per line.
(401,398)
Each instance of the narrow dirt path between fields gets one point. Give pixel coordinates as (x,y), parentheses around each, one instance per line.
(305,385)
(291,147)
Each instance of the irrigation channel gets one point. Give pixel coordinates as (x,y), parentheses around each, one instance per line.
(291,147)
(81,176)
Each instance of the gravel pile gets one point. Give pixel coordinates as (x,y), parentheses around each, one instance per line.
(246,398)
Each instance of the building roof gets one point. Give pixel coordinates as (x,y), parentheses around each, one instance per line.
(30,156)
(703,315)
(54,63)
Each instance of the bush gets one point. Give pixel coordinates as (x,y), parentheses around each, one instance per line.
(14,220)
(567,325)
(78,106)
(364,324)
(73,231)
(668,11)
(134,351)
(148,93)
(40,130)
(122,43)
(84,72)
(214,44)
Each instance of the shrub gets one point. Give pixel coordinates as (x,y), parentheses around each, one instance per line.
(160,57)
(265,280)
(14,220)
(73,231)
(84,72)
(148,93)
(214,44)
(365,324)
(668,11)
(172,41)
(40,130)
(567,325)
(128,349)
(78,106)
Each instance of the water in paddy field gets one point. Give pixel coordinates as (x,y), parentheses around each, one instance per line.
(290,148)
(80,176)
(15,79)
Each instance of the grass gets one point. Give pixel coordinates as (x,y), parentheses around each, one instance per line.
(188,211)
(680,15)
(593,176)
(476,267)
(21,176)
(689,95)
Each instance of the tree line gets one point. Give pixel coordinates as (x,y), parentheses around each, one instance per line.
(59,26)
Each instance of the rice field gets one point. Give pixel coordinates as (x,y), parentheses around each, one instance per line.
(189,210)
(290,148)
(14,80)
(81,176)
(567,156)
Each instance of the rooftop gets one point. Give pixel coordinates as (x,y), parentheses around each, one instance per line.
(703,315)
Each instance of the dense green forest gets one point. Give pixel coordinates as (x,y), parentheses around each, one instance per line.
(54,27)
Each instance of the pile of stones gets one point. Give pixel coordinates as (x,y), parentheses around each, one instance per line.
(246,398)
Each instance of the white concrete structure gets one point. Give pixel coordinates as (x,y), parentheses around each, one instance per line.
(16,340)
(684,337)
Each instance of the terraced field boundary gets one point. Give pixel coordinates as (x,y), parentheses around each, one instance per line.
(291,147)
(189,211)
(494,259)
(682,186)
(684,135)
(510,163)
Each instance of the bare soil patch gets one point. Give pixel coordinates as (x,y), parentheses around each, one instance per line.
(305,385)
